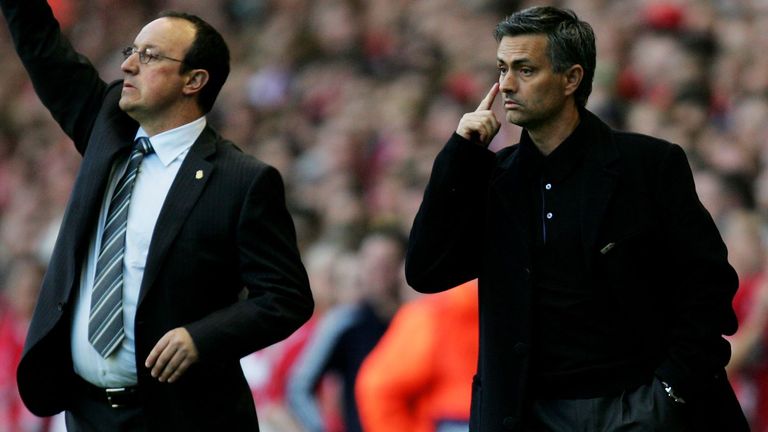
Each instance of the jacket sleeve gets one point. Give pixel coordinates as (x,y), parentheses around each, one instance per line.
(445,244)
(700,312)
(278,299)
(65,81)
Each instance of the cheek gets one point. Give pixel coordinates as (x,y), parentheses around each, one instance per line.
(546,95)
(160,82)
(151,84)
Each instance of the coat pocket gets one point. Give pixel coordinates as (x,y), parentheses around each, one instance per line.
(621,241)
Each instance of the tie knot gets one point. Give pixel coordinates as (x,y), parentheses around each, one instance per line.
(143,145)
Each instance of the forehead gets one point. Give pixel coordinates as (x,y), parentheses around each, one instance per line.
(529,47)
(168,34)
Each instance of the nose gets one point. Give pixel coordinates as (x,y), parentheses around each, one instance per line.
(508,82)
(131,64)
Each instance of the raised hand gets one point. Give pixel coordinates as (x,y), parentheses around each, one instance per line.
(481,125)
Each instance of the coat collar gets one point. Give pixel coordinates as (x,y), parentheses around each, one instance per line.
(602,170)
(601,165)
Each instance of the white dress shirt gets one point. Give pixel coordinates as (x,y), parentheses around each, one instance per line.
(156,173)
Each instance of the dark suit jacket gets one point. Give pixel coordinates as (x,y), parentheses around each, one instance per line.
(665,273)
(215,236)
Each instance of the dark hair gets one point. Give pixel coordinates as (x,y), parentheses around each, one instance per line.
(571,41)
(209,52)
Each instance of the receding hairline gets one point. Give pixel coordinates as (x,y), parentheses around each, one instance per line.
(155,43)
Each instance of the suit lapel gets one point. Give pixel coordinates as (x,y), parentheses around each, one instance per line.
(508,186)
(110,141)
(182,196)
(601,174)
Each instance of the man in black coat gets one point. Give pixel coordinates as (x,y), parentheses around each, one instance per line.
(605,289)
(170,265)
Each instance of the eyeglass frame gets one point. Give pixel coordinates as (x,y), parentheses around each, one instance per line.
(145,57)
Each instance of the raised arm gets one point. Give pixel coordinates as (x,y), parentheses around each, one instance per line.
(445,245)
(66,82)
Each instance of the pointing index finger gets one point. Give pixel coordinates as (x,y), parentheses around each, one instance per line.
(487,102)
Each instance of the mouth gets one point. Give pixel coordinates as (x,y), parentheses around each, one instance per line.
(127,86)
(511,104)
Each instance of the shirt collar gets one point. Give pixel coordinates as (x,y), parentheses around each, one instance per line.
(531,159)
(173,143)
(558,164)
(568,155)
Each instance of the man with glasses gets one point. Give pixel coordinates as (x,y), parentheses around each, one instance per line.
(176,256)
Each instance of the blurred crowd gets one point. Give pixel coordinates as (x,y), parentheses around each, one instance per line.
(351,100)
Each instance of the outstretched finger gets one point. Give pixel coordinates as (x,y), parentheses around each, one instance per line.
(487,102)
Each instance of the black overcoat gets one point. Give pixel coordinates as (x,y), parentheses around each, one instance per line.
(651,249)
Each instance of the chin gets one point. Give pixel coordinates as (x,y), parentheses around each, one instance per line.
(126,106)
(516,118)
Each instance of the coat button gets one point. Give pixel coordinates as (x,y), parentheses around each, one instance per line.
(509,423)
(60,306)
(520,349)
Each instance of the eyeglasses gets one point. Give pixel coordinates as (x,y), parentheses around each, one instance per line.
(145,56)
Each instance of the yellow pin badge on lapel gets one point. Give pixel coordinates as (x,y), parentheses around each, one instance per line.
(199,174)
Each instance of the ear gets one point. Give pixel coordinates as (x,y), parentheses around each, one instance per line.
(195,80)
(573,77)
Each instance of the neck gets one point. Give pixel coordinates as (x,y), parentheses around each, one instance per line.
(156,124)
(551,134)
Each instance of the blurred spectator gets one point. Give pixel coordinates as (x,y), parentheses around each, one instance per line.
(721,195)
(351,101)
(268,370)
(347,333)
(419,376)
(17,301)
(748,370)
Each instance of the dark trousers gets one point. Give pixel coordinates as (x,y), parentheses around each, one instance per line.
(90,413)
(644,409)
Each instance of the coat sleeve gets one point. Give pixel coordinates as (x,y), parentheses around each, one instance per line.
(445,245)
(65,81)
(700,312)
(278,299)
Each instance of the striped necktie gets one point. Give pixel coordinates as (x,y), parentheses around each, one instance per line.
(105,325)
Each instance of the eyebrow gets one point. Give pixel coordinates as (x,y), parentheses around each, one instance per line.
(516,62)
(147,46)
